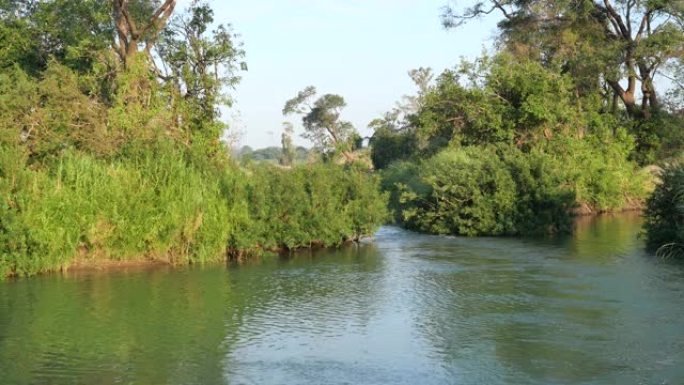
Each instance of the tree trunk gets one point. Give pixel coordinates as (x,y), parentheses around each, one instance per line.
(627,97)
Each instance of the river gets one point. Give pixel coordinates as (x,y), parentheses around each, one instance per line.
(402,308)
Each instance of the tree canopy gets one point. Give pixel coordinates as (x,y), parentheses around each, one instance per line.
(615,45)
(322,121)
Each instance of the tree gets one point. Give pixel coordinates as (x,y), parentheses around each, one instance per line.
(138,25)
(393,134)
(675,95)
(288,149)
(72,32)
(200,65)
(622,43)
(322,121)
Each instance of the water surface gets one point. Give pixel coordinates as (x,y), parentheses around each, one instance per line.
(402,309)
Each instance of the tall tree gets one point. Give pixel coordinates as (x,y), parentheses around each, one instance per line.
(288,154)
(322,121)
(623,43)
(201,65)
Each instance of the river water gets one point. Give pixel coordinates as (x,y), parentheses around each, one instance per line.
(403,308)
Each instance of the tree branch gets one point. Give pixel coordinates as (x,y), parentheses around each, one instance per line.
(159,17)
(129,20)
(613,15)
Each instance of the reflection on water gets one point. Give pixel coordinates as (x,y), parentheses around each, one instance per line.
(402,309)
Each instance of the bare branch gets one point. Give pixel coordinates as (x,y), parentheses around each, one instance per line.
(618,19)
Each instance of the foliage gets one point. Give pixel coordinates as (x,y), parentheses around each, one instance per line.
(496,99)
(501,146)
(389,146)
(160,206)
(599,43)
(106,157)
(598,171)
(202,65)
(289,152)
(664,214)
(469,190)
(658,139)
(71,31)
(155,206)
(272,154)
(319,204)
(322,122)
(480,191)
(502,190)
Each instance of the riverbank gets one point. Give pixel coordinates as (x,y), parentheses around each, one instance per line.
(84,266)
(158,207)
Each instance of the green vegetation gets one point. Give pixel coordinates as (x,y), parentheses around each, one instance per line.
(110,150)
(313,205)
(110,131)
(277,155)
(500,147)
(560,120)
(323,124)
(664,213)
(159,206)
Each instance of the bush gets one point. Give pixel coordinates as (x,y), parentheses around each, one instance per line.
(466,191)
(664,214)
(543,198)
(596,168)
(319,204)
(388,146)
(658,138)
(502,190)
(158,205)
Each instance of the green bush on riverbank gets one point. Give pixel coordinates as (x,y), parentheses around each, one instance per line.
(158,206)
(664,214)
(504,146)
(501,190)
(318,204)
(103,158)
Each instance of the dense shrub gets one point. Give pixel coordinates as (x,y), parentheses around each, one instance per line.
(658,138)
(479,191)
(543,198)
(390,146)
(597,170)
(498,190)
(321,204)
(157,205)
(469,192)
(664,214)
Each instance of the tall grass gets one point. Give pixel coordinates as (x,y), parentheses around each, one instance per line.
(159,206)
(154,207)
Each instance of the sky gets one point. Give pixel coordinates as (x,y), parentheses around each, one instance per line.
(359,49)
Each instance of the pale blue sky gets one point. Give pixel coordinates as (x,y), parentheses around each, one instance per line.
(361,50)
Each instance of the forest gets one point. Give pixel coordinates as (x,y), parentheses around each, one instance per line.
(111,134)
